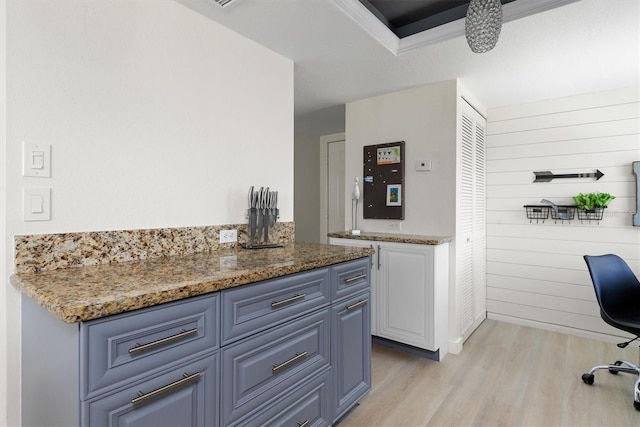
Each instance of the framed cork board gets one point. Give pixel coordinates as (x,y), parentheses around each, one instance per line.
(383,181)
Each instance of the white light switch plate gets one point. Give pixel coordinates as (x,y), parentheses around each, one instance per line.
(36,159)
(36,204)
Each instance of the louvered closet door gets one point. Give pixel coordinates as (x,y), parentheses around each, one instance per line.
(471,224)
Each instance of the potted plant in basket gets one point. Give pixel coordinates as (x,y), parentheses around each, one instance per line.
(592,205)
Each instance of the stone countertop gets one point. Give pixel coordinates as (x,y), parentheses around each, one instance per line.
(393,238)
(90,292)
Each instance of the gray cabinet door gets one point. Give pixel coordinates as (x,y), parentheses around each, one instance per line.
(185,396)
(257,370)
(308,405)
(349,278)
(257,307)
(133,346)
(351,351)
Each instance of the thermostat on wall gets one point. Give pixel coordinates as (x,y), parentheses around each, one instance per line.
(423,165)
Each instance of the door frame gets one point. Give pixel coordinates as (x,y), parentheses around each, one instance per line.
(324,193)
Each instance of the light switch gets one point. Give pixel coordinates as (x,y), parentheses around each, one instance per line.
(36,159)
(37,204)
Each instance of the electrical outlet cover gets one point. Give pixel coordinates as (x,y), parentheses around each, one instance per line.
(228,236)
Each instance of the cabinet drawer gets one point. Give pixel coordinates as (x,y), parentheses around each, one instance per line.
(129,346)
(350,277)
(185,396)
(254,308)
(307,405)
(258,369)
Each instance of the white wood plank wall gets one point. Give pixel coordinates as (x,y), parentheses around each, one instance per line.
(535,271)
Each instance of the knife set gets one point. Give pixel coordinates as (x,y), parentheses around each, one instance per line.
(263,214)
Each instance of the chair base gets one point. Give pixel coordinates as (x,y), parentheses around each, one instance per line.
(623,366)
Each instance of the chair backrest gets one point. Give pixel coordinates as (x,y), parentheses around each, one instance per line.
(617,288)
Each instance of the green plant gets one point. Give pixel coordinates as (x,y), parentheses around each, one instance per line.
(590,201)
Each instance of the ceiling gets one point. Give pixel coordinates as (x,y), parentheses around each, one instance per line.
(407,17)
(341,56)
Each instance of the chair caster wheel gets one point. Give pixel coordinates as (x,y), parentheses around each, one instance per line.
(587,378)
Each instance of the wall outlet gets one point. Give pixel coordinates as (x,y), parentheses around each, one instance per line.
(395,226)
(228,236)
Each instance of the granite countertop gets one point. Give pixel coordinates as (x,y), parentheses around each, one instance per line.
(90,292)
(415,239)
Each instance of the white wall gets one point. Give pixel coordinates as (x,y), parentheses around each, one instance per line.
(4,316)
(535,272)
(425,118)
(157,116)
(306,177)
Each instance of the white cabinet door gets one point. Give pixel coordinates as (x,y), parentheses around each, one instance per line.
(409,292)
(406,294)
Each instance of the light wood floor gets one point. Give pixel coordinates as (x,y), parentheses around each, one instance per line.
(506,375)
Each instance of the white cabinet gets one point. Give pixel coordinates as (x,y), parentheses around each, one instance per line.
(409,293)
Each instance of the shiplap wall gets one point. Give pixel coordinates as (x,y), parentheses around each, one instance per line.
(535,271)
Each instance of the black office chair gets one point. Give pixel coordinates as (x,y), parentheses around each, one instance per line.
(618,293)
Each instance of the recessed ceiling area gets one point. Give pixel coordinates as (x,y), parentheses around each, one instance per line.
(556,48)
(409,17)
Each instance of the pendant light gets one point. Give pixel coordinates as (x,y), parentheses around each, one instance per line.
(483,24)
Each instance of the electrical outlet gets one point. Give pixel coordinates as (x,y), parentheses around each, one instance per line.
(228,236)
(396,226)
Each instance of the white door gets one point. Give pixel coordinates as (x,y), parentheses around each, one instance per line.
(335,186)
(471,225)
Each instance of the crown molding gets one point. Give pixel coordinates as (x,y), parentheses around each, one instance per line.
(376,29)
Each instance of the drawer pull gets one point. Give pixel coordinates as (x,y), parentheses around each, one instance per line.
(354,278)
(275,304)
(305,423)
(182,334)
(294,359)
(186,378)
(358,304)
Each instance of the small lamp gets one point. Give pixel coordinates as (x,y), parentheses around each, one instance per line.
(355,196)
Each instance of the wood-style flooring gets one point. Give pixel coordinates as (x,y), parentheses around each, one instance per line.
(506,375)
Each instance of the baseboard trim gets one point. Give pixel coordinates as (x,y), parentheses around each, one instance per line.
(455,346)
(556,328)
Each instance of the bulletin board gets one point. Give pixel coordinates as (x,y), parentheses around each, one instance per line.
(383,181)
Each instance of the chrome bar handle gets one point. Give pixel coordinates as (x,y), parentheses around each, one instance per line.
(181,334)
(354,278)
(186,378)
(378,257)
(278,366)
(275,304)
(305,423)
(358,304)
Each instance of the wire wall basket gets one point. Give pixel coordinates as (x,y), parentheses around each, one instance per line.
(540,213)
(594,214)
(537,212)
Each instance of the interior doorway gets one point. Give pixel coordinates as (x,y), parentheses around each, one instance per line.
(332,185)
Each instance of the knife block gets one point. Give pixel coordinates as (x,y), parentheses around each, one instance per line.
(260,221)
